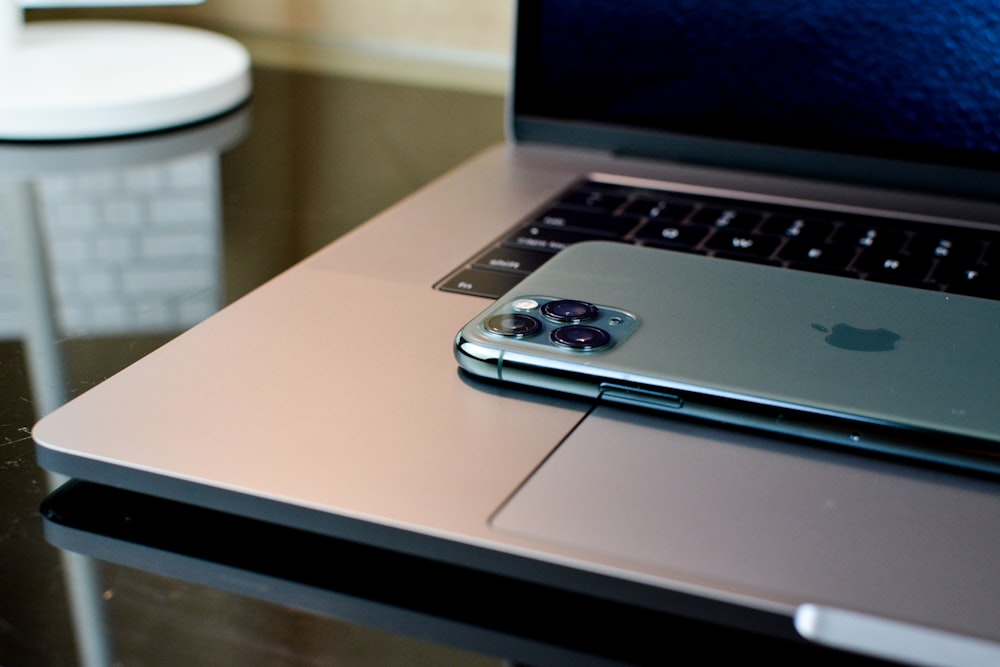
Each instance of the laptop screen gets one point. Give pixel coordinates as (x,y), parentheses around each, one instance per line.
(906,80)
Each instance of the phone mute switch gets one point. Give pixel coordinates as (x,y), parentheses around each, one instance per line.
(639,397)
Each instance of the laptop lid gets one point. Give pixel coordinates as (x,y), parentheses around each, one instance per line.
(900,94)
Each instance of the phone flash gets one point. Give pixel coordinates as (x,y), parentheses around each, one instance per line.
(524,305)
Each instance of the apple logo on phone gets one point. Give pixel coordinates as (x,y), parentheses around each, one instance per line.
(848,337)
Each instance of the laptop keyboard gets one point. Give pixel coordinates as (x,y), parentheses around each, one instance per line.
(926,256)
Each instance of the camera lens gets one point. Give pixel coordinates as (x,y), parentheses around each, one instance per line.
(569,310)
(514,325)
(581,337)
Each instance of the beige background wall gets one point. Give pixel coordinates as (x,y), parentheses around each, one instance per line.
(462,44)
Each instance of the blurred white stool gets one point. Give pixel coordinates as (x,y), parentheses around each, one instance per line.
(64,80)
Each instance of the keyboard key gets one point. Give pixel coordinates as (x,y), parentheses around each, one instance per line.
(513,260)
(963,278)
(804,252)
(874,237)
(900,267)
(490,284)
(671,235)
(548,239)
(593,199)
(590,221)
(941,247)
(659,209)
(733,243)
(797,227)
(728,218)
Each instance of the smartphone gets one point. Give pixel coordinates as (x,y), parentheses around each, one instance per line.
(897,370)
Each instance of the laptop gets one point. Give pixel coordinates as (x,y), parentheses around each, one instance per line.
(328,400)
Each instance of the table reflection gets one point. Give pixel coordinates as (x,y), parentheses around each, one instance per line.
(107,238)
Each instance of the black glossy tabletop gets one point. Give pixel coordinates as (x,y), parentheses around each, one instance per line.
(108,250)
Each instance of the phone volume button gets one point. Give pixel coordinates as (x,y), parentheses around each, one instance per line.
(640,397)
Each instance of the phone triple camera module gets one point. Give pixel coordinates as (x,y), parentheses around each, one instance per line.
(569,324)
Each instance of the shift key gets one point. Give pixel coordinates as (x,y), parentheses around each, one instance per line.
(513,260)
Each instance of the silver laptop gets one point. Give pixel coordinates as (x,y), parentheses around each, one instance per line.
(862,141)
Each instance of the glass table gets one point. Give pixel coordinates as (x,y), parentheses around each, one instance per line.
(108,250)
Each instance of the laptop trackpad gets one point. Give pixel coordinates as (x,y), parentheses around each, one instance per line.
(774,520)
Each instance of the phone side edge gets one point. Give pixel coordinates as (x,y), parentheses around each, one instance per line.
(478,359)
(488,361)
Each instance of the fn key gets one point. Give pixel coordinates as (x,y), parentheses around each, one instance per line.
(479,282)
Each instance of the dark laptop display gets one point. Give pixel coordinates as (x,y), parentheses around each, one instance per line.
(898,79)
